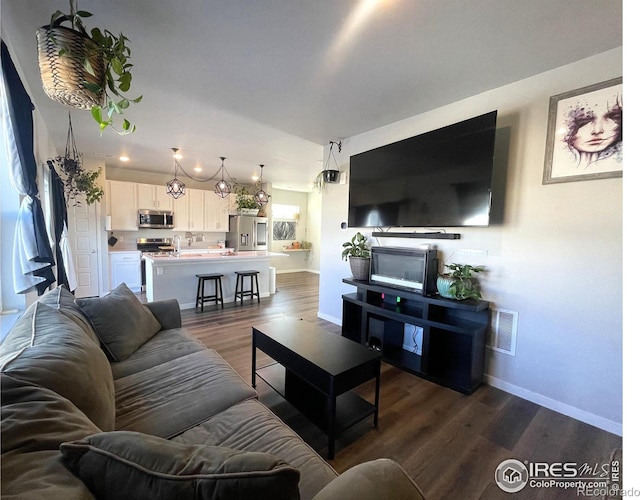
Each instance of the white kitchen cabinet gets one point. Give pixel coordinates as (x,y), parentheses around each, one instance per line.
(216,213)
(152,197)
(196,210)
(123,205)
(125,268)
(181,212)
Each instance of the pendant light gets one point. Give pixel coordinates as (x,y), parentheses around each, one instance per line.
(222,188)
(175,187)
(261,197)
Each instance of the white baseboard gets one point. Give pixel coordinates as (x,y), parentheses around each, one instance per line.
(552,404)
(286,271)
(331,319)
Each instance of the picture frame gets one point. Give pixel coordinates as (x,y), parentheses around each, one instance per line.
(584,134)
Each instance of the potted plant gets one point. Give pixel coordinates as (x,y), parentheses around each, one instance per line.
(358,253)
(245,202)
(76,179)
(86,70)
(460,283)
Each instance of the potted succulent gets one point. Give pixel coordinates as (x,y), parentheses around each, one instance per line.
(460,283)
(86,70)
(357,251)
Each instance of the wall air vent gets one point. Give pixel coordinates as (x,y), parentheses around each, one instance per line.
(503,330)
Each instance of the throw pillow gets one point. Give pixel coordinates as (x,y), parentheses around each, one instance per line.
(121,321)
(146,466)
(61,357)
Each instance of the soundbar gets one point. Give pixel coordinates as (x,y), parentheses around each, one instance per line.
(428,236)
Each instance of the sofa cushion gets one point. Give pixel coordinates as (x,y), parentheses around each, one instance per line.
(164,346)
(20,335)
(35,421)
(61,357)
(250,426)
(122,323)
(172,397)
(146,466)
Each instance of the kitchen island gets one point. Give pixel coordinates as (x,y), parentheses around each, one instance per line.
(173,275)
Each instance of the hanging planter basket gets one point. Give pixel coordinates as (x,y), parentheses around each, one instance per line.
(331,176)
(65,77)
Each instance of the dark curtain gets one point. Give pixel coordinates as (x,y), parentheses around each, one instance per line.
(59,222)
(32,255)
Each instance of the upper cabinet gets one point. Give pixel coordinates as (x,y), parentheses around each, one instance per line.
(123,205)
(216,213)
(151,197)
(198,210)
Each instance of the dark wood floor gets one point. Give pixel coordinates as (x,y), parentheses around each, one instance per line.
(449,443)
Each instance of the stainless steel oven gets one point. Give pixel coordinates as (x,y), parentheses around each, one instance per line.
(151,245)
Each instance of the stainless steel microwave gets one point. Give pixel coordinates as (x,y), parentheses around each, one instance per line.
(156,219)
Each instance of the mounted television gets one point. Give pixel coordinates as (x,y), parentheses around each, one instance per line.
(440,178)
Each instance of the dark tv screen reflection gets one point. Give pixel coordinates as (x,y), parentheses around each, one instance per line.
(440,178)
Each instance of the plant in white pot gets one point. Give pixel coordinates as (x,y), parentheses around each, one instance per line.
(357,251)
(460,283)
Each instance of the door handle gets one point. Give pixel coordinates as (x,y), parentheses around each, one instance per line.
(93,251)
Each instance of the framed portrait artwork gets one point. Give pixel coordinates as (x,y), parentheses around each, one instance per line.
(584,134)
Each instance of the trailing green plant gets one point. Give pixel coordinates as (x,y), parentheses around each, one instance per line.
(356,247)
(78,181)
(465,284)
(116,54)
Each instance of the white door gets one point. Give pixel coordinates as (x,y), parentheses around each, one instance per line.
(83,239)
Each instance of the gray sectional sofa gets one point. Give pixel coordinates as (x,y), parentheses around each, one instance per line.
(110,398)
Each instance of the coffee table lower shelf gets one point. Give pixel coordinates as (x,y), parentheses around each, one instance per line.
(312,403)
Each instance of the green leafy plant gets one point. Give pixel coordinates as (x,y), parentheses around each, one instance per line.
(356,247)
(116,55)
(464,284)
(78,181)
(244,199)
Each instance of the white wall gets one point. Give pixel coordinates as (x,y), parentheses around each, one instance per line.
(556,259)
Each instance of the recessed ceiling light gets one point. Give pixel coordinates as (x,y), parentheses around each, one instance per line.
(124,158)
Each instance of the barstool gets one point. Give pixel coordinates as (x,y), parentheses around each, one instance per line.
(240,291)
(201,298)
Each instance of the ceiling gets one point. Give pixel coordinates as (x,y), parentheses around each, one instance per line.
(273,81)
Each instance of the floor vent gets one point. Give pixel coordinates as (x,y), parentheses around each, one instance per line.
(503,330)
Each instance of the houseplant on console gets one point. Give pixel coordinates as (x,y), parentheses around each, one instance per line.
(460,283)
(358,253)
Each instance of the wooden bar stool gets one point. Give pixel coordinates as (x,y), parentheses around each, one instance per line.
(241,293)
(201,298)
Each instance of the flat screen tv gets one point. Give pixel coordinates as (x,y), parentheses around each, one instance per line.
(440,178)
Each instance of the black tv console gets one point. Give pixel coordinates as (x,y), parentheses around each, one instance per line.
(453,340)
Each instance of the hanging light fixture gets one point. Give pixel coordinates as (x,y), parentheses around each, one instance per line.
(261,197)
(222,188)
(175,187)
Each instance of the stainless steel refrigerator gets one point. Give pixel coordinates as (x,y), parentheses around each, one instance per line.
(248,233)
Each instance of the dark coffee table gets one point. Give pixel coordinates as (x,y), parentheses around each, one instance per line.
(315,370)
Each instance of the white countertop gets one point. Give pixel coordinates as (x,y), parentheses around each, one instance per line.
(219,255)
